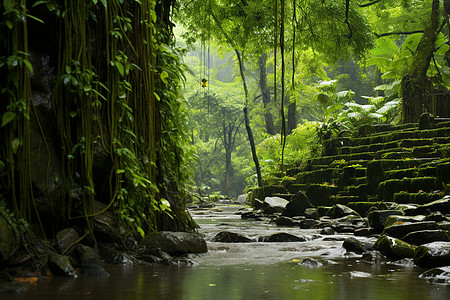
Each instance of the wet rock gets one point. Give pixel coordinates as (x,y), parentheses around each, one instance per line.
(242,198)
(11,288)
(394,248)
(311,263)
(402,229)
(374,257)
(444,225)
(297,206)
(106,229)
(366,231)
(66,238)
(435,254)
(113,256)
(89,261)
(257,215)
(282,237)
(352,244)
(377,218)
(312,213)
(175,243)
(436,217)
(345,229)
(308,223)
(8,242)
(258,204)
(230,237)
(327,231)
(286,221)
(439,275)
(427,236)
(395,219)
(61,265)
(273,205)
(339,211)
(154,256)
(441,205)
(131,244)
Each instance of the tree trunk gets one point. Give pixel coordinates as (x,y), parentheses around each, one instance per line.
(416,84)
(292,115)
(270,128)
(247,122)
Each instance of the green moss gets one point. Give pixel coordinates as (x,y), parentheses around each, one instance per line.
(319,194)
(416,198)
(322,210)
(394,248)
(363,208)
(266,191)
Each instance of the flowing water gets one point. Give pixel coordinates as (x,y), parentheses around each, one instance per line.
(250,271)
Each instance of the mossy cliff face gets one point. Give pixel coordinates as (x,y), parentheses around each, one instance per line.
(85,106)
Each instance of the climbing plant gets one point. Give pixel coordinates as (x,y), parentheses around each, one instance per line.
(115,89)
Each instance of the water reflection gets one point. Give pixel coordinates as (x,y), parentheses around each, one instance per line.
(336,280)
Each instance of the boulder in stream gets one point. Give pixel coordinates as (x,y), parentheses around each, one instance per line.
(175,243)
(394,248)
(427,236)
(440,275)
(230,237)
(402,229)
(61,265)
(274,205)
(297,206)
(282,237)
(352,244)
(435,254)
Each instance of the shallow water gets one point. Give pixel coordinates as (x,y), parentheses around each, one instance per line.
(250,271)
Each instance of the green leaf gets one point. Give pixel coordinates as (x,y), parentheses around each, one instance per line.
(141,231)
(9,24)
(164,76)
(8,117)
(15,144)
(9,5)
(157,96)
(28,64)
(120,68)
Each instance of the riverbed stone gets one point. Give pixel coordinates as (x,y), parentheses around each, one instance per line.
(175,243)
(364,231)
(12,288)
(440,275)
(230,237)
(394,248)
(352,244)
(402,229)
(442,205)
(311,263)
(327,231)
(61,265)
(286,221)
(312,213)
(65,238)
(434,254)
(377,218)
(339,211)
(309,223)
(427,236)
(282,237)
(374,257)
(274,205)
(297,206)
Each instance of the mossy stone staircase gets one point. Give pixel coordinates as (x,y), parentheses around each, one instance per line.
(407,163)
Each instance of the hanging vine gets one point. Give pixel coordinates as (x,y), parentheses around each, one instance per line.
(116,87)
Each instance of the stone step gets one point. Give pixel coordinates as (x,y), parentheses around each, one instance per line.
(402,135)
(388,188)
(376,169)
(416,198)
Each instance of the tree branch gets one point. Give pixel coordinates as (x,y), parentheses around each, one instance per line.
(369,3)
(397,33)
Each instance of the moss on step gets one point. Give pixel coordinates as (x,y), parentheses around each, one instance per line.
(320,194)
(416,198)
(388,188)
(318,176)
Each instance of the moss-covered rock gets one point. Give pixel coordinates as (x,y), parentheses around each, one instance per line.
(416,198)
(339,211)
(362,208)
(433,255)
(297,206)
(400,230)
(266,191)
(427,236)
(319,194)
(8,242)
(394,248)
(377,218)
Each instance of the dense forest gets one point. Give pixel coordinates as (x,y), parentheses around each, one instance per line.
(304,71)
(135,107)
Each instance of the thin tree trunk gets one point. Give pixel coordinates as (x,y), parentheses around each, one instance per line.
(270,128)
(292,115)
(247,122)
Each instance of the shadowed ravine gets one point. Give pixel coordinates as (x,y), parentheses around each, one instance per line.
(258,270)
